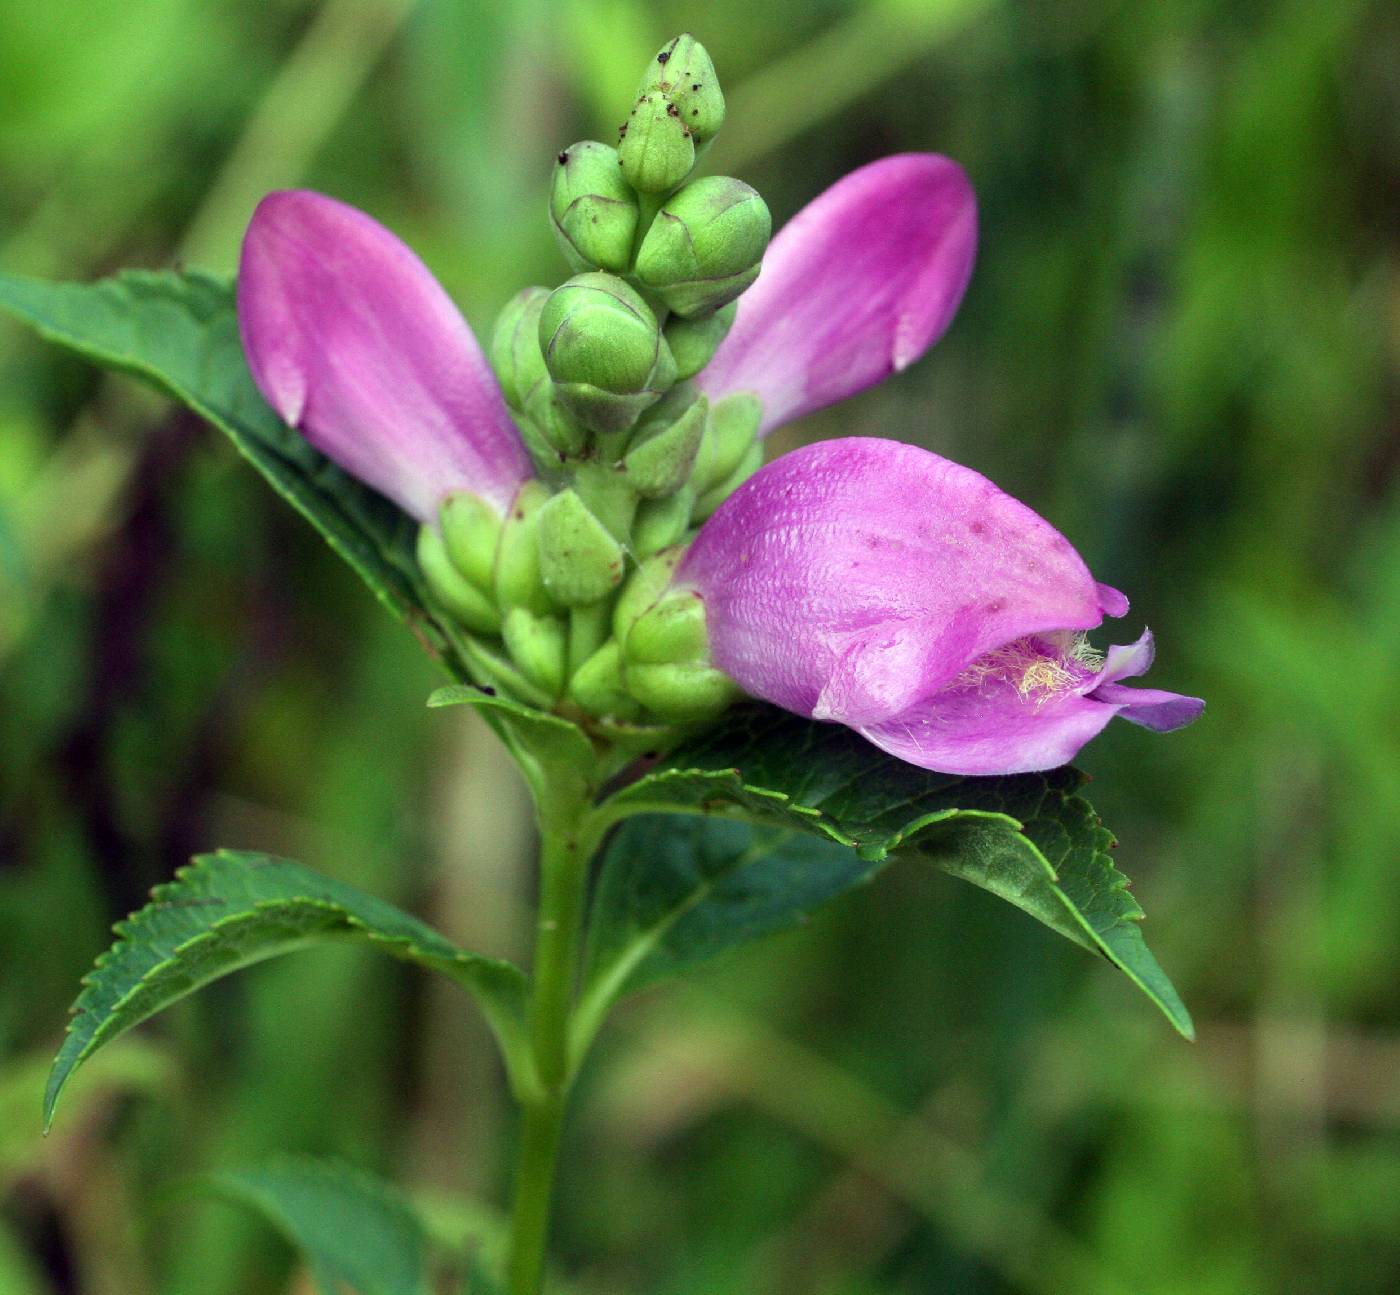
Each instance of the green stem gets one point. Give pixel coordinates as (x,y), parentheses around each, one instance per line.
(564,855)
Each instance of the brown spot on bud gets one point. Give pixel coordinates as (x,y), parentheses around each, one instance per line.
(563,157)
(663,56)
(671,110)
(696,86)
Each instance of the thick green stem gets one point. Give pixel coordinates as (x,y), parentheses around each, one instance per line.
(564,858)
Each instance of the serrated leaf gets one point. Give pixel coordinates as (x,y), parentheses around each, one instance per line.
(355,1230)
(674,891)
(178,331)
(1028,838)
(230,909)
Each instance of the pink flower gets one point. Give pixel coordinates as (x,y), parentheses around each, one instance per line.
(354,343)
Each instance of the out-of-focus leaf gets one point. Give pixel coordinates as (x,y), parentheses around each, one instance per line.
(231,909)
(354,1230)
(1028,838)
(178,331)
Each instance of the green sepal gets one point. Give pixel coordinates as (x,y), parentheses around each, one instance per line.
(538,645)
(597,686)
(515,345)
(461,599)
(471,530)
(662,522)
(672,630)
(659,464)
(656,149)
(647,583)
(684,692)
(517,575)
(592,209)
(705,245)
(731,432)
(693,342)
(579,560)
(559,432)
(749,463)
(684,72)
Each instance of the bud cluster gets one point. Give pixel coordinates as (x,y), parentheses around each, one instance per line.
(573,588)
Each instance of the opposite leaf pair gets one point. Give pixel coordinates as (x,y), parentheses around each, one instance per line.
(861,581)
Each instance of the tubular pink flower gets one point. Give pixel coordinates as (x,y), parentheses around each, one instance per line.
(880,586)
(858,285)
(354,343)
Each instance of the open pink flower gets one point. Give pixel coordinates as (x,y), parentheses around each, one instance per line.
(354,343)
(880,586)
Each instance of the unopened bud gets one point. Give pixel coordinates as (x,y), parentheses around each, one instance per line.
(644,587)
(471,530)
(705,245)
(666,663)
(593,209)
(750,463)
(685,74)
(515,345)
(597,686)
(604,350)
(662,522)
(580,562)
(539,647)
(660,463)
(517,575)
(657,150)
(462,600)
(732,431)
(693,342)
(552,421)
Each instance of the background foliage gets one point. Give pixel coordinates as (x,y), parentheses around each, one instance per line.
(1179,345)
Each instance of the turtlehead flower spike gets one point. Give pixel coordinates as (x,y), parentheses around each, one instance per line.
(354,343)
(858,285)
(879,586)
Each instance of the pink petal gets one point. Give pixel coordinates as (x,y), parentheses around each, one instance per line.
(849,578)
(353,342)
(856,286)
(877,585)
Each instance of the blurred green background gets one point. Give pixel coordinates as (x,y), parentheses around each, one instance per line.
(1179,345)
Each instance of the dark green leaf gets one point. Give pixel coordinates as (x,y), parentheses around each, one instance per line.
(354,1230)
(179,332)
(230,909)
(1029,838)
(676,890)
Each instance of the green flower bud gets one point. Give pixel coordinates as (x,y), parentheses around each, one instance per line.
(656,149)
(539,647)
(604,351)
(659,464)
(685,74)
(732,431)
(580,562)
(515,345)
(662,522)
(647,583)
(471,530)
(459,597)
(750,463)
(693,342)
(592,208)
(705,245)
(554,424)
(517,574)
(666,663)
(597,686)
(683,693)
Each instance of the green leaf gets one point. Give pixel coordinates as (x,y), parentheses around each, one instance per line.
(554,754)
(231,909)
(1029,838)
(674,891)
(354,1230)
(179,332)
